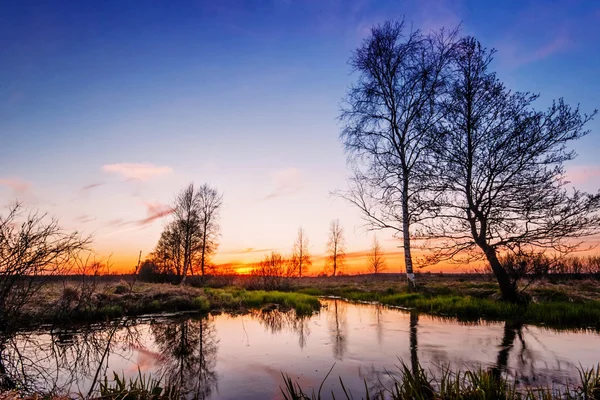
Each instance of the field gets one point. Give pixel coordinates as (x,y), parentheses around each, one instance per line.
(558,303)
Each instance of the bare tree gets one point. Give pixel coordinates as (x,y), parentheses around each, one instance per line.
(168,253)
(272,271)
(376,260)
(336,247)
(187,218)
(501,175)
(209,205)
(300,256)
(33,247)
(388,118)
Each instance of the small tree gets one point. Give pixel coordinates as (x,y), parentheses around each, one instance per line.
(501,185)
(376,260)
(272,271)
(300,258)
(209,206)
(33,247)
(336,247)
(388,120)
(188,223)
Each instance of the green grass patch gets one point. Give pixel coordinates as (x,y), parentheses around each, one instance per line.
(558,314)
(236,298)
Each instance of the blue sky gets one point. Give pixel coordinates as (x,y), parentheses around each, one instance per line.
(108,108)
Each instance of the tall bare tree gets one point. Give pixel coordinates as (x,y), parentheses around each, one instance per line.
(388,118)
(191,239)
(209,206)
(501,178)
(300,255)
(187,219)
(376,260)
(336,247)
(33,247)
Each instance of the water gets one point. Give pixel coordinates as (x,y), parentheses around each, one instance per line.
(242,357)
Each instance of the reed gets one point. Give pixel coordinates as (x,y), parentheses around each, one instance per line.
(481,384)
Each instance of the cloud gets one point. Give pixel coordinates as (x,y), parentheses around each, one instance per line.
(287,182)
(92,186)
(155,211)
(85,218)
(17,185)
(578,174)
(248,250)
(556,45)
(142,172)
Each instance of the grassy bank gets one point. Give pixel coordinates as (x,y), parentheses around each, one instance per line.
(471,301)
(412,383)
(65,303)
(415,384)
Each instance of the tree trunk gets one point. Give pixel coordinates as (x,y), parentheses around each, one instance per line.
(508,290)
(410,276)
(414,356)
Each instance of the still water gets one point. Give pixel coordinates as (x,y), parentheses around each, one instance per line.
(243,356)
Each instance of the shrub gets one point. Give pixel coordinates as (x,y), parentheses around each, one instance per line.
(201,303)
(122,288)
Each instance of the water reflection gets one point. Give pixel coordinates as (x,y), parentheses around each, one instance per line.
(276,321)
(189,354)
(212,357)
(338,327)
(57,360)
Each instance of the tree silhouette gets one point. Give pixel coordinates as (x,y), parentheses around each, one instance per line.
(376,260)
(499,171)
(336,247)
(300,255)
(388,119)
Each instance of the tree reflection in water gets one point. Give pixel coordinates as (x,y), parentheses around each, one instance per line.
(189,348)
(277,321)
(60,360)
(336,315)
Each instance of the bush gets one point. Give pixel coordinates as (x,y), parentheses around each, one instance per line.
(122,288)
(70,294)
(201,303)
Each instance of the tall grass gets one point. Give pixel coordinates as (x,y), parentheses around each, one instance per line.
(303,304)
(141,388)
(557,314)
(416,384)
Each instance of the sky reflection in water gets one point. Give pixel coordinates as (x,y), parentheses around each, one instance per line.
(227,356)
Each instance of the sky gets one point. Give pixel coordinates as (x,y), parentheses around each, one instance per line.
(108,109)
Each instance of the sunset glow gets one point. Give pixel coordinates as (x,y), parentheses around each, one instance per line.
(103,120)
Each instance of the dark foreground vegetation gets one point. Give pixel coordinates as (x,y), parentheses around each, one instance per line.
(416,383)
(412,382)
(58,303)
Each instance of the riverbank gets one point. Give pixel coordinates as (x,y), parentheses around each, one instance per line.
(566,303)
(562,304)
(57,303)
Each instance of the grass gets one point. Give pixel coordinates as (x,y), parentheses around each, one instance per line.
(557,303)
(416,384)
(559,313)
(64,304)
(304,304)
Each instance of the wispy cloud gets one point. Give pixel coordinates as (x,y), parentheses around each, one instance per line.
(248,250)
(155,211)
(92,186)
(287,182)
(17,185)
(578,174)
(142,172)
(85,218)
